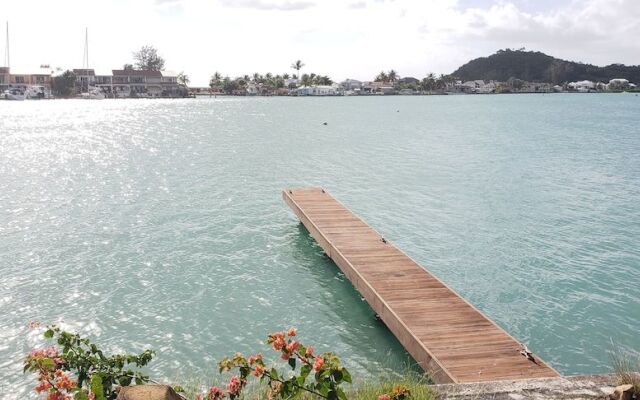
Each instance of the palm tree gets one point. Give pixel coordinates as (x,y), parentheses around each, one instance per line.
(382,77)
(215,80)
(297,66)
(306,80)
(393,76)
(285,76)
(183,79)
(324,80)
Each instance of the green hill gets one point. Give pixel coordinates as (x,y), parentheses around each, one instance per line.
(535,66)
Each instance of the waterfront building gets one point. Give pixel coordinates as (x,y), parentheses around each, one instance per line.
(252,89)
(5,78)
(320,90)
(85,79)
(39,82)
(291,83)
(351,84)
(582,86)
(143,83)
(618,84)
(407,92)
(378,88)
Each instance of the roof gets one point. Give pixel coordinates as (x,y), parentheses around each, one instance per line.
(84,71)
(136,72)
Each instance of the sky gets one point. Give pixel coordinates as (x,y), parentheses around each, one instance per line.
(340,38)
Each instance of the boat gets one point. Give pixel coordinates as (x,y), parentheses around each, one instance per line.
(93,93)
(13,94)
(36,92)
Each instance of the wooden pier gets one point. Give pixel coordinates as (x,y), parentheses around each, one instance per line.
(450,339)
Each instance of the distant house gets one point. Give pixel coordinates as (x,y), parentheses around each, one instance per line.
(5,78)
(351,84)
(407,92)
(144,83)
(618,84)
(478,86)
(409,81)
(85,78)
(252,89)
(583,86)
(378,88)
(291,82)
(317,91)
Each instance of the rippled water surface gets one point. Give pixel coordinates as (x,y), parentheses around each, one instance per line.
(160,223)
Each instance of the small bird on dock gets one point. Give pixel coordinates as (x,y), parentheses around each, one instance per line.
(383,240)
(524,350)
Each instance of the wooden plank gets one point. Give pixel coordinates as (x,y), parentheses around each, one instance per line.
(448,337)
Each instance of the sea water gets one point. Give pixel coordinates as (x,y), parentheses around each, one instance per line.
(160,223)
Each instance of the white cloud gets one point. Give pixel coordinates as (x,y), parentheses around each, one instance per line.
(269,4)
(342,39)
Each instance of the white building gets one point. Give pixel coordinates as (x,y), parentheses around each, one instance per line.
(317,91)
(291,82)
(351,84)
(618,84)
(582,86)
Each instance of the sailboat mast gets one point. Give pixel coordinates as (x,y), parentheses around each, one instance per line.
(85,61)
(86,45)
(7,54)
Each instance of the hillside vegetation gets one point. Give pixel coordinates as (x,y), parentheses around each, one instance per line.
(534,66)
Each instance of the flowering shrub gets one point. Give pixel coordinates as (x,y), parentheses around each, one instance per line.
(97,374)
(328,373)
(399,392)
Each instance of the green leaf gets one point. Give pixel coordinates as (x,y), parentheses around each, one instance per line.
(48,334)
(81,395)
(178,389)
(96,387)
(305,370)
(346,376)
(292,363)
(341,394)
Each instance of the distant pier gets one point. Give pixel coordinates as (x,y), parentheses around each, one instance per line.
(448,337)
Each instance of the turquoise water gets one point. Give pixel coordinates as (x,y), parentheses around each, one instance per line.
(160,223)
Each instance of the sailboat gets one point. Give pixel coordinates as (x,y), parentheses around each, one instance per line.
(92,93)
(10,93)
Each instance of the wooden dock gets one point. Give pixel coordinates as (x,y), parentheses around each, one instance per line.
(450,339)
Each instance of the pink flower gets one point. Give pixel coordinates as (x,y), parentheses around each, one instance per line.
(292,332)
(318,362)
(278,344)
(293,346)
(215,393)
(309,351)
(253,359)
(259,371)
(42,386)
(91,395)
(384,397)
(234,385)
